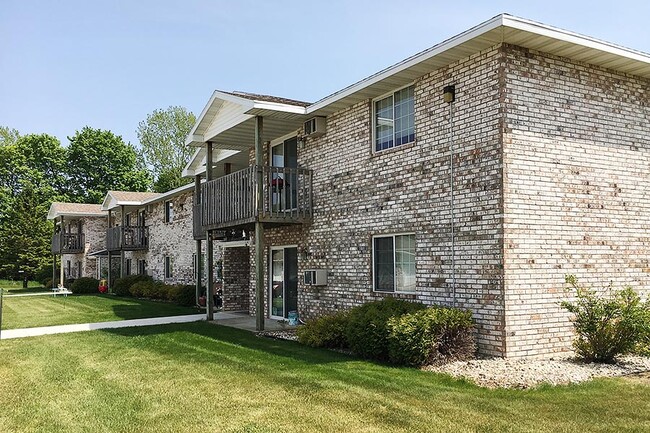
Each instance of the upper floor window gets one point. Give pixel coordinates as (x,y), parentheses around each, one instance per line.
(169,211)
(394,119)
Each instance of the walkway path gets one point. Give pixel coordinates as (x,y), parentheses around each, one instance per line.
(51,293)
(63,329)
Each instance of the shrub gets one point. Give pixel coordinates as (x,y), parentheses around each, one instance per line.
(43,274)
(48,283)
(643,345)
(366,331)
(326,331)
(141,289)
(84,285)
(182,294)
(431,335)
(121,286)
(605,326)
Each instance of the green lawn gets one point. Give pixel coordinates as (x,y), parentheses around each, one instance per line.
(201,377)
(32,311)
(11,286)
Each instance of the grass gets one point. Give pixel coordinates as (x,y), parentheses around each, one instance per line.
(203,377)
(33,311)
(11,286)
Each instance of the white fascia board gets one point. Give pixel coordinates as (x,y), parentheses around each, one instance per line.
(168,194)
(573,38)
(188,170)
(199,119)
(410,62)
(275,106)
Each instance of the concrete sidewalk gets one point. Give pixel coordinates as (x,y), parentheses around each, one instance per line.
(63,329)
(50,293)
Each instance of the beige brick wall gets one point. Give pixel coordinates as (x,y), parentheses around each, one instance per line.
(577,158)
(358,194)
(94,230)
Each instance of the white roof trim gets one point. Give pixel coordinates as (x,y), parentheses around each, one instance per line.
(409,62)
(503,20)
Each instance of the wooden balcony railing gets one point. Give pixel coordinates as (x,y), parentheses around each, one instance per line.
(231,200)
(197,228)
(127,238)
(68,243)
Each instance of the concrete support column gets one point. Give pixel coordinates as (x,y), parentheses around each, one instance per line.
(122,242)
(61,276)
(110,255)
(197,201)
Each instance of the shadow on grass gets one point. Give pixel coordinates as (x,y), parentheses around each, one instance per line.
(16,291)
(232,337)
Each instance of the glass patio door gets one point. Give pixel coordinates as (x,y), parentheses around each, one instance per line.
(283,293)
(284,185)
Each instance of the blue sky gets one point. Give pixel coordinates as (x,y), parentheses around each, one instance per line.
(107,64)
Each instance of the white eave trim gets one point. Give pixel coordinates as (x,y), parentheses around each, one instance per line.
(410,62)
(574,38)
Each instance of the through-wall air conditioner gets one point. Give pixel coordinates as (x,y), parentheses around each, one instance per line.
(315,127)
(315,277)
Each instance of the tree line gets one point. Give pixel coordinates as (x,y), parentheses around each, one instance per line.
(36,170)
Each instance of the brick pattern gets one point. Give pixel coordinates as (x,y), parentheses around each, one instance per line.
(358,194)
(94,230)
(576,156)
(236,275)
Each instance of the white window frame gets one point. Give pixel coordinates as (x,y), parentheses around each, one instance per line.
(373,119)
(168,211)
(169,267)
(372,248)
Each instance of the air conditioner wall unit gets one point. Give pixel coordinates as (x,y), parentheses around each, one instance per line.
(315,277)
(315,127)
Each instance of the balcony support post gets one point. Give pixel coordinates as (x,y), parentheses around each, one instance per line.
(259,229)
(209,245)
(110,256)
(122,243)
(197,201)
(61,277)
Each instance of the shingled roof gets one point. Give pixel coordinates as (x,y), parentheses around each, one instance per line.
(58,209)
(127,198)
(268,98)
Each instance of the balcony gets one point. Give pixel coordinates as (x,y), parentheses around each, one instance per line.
(68,243)
(197,228)
(128,238)
(231,200)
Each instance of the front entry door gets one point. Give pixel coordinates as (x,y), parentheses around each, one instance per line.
(284,281)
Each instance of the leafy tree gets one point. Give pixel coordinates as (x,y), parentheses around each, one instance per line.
(168,180)
(45,154)
(32,175)
(24,230)
(8,136)
(162,141)
(99,161)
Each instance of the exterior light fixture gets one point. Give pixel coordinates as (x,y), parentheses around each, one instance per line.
(449,93)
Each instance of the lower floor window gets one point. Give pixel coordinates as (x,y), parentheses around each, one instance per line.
(128,267)
(169,271)
(394,263)
(142,267)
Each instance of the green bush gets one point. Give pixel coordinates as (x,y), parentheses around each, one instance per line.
(43,274)
(121,286)
(159,290)
(84,285)
(431,335)
(141,289)
(643,345)
(48,283)
(606,326)
(326,331)
(366,331)
(182,294)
